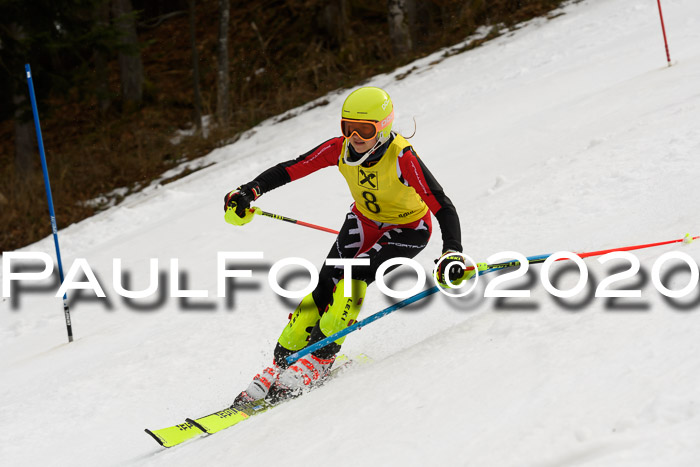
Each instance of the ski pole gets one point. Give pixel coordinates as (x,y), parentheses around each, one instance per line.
(490,268)
(396,306)
(47,186)
(293,221)
(359,324)
(380,314)
(511,264)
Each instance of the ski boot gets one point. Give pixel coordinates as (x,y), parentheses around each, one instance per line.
(258,388)
(304,374)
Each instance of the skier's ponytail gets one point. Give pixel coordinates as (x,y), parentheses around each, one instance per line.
(415,126)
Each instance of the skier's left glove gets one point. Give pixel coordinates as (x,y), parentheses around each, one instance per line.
(237,203)
(452,266)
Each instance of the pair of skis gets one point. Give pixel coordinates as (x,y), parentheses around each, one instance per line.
(226,418)
(209,424)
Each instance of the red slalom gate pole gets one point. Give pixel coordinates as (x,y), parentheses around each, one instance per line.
(686,239)
(663,30)
(542,258)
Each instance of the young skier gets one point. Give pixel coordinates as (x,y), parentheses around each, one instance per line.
(394,194)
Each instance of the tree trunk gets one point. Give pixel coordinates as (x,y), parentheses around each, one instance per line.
(334,21)
(195,69)
(24,130)
(24,135)
(130,65)
(223,80)
(101,75)
(399,14)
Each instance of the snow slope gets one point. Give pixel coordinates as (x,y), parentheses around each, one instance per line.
(567,134)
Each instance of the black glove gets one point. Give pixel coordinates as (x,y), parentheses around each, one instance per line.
(241,197)
(454,273)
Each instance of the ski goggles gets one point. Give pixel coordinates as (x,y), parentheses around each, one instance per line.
(365,129)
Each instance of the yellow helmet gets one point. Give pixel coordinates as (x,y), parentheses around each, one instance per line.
(373,104)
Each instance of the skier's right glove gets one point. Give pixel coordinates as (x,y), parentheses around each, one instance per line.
(237,203)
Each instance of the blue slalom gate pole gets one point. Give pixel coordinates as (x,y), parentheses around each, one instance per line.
(47,186)
(396,306)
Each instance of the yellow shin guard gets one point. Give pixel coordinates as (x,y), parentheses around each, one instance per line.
(296,334)
(343,310)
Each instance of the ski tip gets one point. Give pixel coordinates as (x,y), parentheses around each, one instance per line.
(364,358)
(156,437)
(361,358)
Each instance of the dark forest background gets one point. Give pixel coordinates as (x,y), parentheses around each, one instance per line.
(115,79)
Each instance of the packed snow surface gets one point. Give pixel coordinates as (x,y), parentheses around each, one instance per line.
(567,134)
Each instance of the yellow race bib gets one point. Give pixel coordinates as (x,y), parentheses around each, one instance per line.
(377,190)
